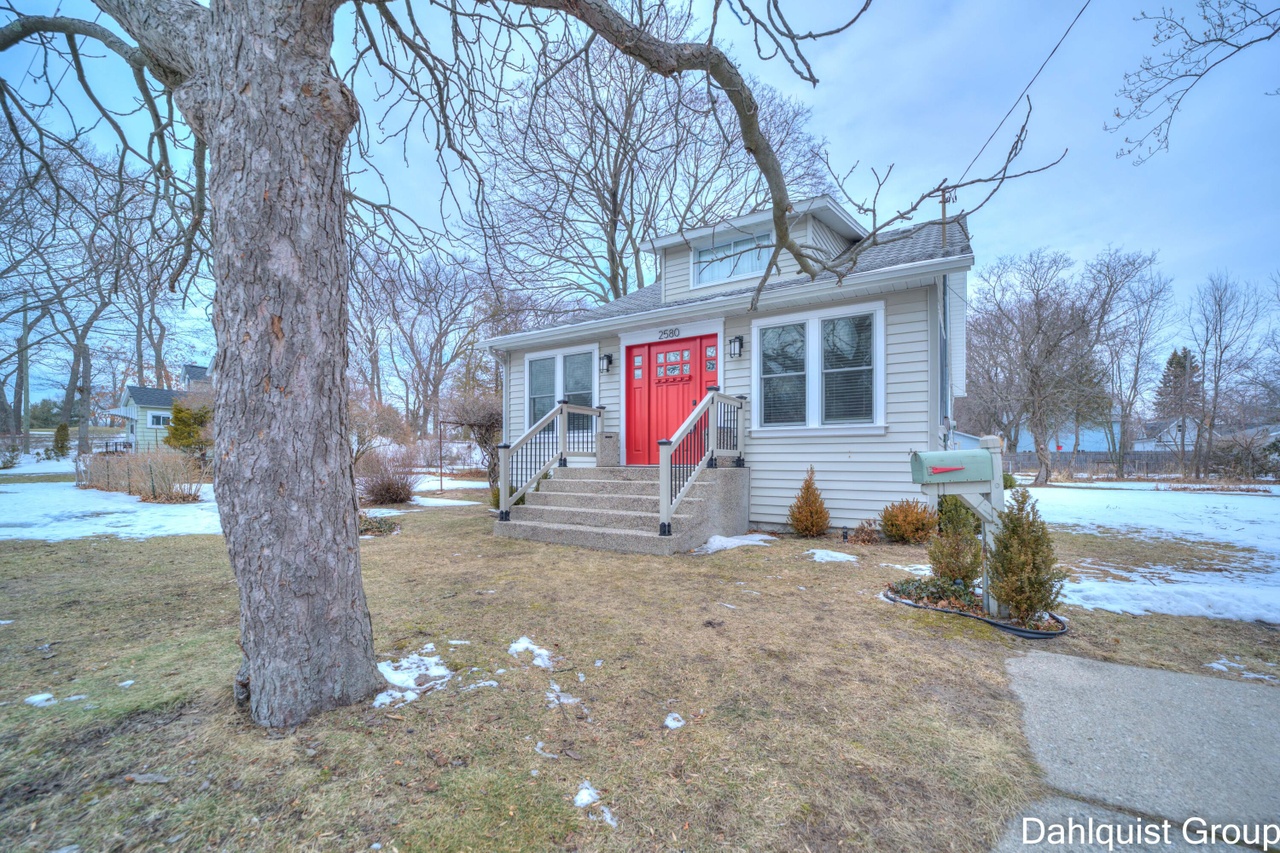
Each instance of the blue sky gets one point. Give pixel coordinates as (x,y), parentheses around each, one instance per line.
(922,84)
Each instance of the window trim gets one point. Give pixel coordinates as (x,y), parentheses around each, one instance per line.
(710,243)
(151,420)
(559,354)
(813,372)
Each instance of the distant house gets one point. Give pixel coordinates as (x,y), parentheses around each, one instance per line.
(148,411)
(1167,435)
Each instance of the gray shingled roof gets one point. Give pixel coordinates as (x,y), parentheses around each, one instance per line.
(194,372)
(153,398)
(894,248)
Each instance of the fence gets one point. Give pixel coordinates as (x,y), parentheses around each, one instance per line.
(1094,463)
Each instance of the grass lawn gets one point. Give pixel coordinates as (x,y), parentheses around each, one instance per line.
(818,716)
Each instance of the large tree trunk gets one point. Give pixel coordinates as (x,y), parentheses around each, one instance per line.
(83,443)
(276,121)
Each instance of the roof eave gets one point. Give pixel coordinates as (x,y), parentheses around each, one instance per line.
(768,300)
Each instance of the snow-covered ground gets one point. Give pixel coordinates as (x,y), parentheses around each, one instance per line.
(30,465)
(1248,592)
(1246,520)
(57,511)
(432,483)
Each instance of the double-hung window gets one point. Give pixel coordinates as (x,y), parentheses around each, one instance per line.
(732,259)
(821,370)
(561,376)
(158,420)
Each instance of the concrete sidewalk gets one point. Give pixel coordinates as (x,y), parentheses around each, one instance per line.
(1123,744)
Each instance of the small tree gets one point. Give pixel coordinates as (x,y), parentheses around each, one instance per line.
(1023,573)
(62,441)
(808,515)
(188,429)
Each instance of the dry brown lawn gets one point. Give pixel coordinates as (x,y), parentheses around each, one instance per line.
(819,717)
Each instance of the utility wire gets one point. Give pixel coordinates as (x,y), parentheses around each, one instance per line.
(1024,91)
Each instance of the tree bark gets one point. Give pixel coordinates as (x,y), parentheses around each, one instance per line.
(83,444)
(276,121)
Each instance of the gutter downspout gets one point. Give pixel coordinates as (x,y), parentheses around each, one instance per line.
(944,363)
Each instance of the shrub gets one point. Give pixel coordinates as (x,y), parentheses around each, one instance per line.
(1010,481)
(189,429)
(865,533)
(1022,572)
(9,456)
(808,515)
(954,515)
(385,477)
(376,526)
(910,521)
(161,476)
(956,556)
(935,592)
(62,441)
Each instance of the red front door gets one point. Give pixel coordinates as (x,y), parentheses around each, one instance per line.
(665,380)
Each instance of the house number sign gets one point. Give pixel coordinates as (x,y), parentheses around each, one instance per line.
(668,334)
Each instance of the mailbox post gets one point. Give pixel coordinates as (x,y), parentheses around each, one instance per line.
(977,478)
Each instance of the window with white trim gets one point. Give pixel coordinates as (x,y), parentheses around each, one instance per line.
(158,420)
(823,370)
(732,259)
(560,376)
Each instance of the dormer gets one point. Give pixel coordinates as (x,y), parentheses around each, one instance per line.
(734,253)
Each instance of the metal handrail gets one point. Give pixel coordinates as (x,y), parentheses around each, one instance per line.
(533,454)
(716,424)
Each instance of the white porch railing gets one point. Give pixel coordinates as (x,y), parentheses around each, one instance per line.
(715,427)
(565,431)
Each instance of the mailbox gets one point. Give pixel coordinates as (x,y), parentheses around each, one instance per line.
(951,466)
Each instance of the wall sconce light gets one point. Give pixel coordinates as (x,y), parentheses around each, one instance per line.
(606,361)
(735,346)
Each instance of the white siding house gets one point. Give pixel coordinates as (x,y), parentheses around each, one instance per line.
(846,374)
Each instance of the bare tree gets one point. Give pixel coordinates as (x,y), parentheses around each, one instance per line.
(249,92)
(1224,321)
(603,155)
(1051,323)
(1132,337)
(1189,50)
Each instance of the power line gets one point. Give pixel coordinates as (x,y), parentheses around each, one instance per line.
(1024,91)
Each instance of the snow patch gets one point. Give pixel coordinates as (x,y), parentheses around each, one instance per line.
(541,657)
(557,697)
(1224,665)
(586,796)
(41,700)
(478,684)
(459,642)
(921,569)
(724,543)
(57,511)
(730,606)
(418,673)
(128,683)
(607,816)
(673,721)
(1244,595)
(538,748)
(823,556)
(6,621)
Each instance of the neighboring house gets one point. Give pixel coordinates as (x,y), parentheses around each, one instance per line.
(147,411)
(1093,439)
(1166,435)
(848,375)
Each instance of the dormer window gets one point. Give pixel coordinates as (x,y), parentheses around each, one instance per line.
(731,259)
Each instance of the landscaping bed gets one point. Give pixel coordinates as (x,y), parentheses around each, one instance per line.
(933,594)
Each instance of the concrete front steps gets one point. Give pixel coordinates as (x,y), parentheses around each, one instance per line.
(616,509)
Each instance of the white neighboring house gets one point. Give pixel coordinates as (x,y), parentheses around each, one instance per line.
(148,411)
(848,375)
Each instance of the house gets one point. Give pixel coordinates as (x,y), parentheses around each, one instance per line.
(147,411)
(1166,435)
(680,383)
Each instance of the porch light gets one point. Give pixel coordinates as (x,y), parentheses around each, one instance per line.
(606,361)
(735,347)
